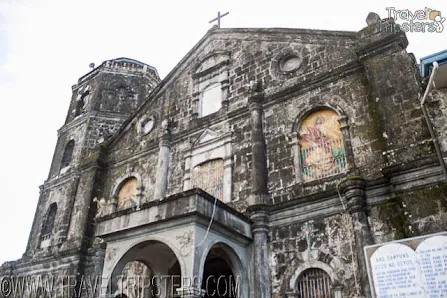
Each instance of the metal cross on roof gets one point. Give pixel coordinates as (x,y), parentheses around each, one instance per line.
(219,16)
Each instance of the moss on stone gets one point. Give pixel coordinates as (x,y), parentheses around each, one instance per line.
(410,207)
(347,179)
(392,214)
(91,157)
(424,202)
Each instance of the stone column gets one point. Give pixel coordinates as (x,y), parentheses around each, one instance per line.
(259,199)
(261,282)
(354,191)
(259,191)
(344,127)
(161,182)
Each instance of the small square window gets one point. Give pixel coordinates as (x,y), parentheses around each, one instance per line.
(211,100)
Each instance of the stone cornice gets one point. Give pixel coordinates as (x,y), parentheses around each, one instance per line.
(194,202)
(378,38)
(64,257)
(309,82)
(89,115)
(377,191)
(55,182)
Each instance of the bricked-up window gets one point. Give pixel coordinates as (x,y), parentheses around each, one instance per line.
(209,177)
(211,100)
(68,152)
(322,150)
(314,283)
(48,224)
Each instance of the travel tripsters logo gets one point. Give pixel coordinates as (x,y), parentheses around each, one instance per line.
(422,20)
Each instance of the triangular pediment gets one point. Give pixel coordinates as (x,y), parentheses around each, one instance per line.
(206,136)
(213,52)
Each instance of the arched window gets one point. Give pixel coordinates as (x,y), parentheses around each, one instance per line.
(211,100)
(68,152)
(322,150)
(314,283)
(48,223)
(128,193)
(81,103)
(209,177)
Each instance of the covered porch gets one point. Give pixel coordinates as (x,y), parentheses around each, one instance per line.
(187,245)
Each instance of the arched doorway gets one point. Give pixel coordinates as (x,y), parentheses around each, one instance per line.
(220,279)
(143,270)
(314,283)
(133,279)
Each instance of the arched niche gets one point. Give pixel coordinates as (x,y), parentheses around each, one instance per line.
(321,144)
(128,192)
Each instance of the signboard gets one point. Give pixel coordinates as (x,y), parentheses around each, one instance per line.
(412,267)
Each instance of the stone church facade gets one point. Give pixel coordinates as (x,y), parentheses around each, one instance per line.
(268,156)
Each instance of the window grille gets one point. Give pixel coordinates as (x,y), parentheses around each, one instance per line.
(314,283)
(326,159)
(322,150)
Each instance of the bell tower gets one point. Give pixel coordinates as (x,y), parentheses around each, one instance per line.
(101,101)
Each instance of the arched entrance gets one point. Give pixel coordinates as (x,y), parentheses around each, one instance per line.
(132,280)
(220,277)
(145,271)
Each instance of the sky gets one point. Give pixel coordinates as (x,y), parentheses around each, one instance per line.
(46,45)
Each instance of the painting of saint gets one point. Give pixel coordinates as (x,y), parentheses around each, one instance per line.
(128,194)
(322,147)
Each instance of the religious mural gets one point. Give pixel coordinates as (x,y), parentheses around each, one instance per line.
(209,177)
(128,194)
(322,148)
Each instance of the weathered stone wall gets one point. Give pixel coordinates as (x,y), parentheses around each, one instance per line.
(410,213)
(102,129)
(348,96)
(436,104)
(253,58)
(115,91)
(330,242)
(367,78)
(143,167)
(63,196)
(49,277)
(394,84)
(75,133)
